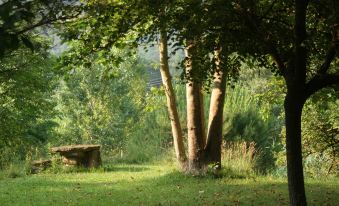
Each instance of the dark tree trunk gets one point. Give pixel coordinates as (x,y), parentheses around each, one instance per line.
(295,77)
(195,132)
(215,122)
(178,141)
(293,110)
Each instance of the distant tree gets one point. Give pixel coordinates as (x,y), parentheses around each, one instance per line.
(100,104)
(26,77)
(26,109)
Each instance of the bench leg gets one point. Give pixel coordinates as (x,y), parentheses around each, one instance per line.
(94,158)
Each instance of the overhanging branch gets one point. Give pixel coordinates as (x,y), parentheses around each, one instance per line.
(46,22)
(331,53)
(321,81)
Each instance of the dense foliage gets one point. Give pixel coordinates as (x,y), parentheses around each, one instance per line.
(27,82)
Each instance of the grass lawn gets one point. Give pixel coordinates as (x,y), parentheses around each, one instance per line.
(156,185)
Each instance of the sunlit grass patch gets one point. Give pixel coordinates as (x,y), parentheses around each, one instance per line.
(158,184)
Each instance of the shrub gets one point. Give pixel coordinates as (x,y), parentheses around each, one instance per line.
(245,122)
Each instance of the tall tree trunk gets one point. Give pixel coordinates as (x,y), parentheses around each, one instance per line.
(171,101)
(194,118)
(293,110)
(215,122)
(294,101)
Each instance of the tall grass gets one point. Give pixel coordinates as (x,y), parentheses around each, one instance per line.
(239,157)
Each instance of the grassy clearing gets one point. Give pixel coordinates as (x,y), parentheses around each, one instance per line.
(155,185)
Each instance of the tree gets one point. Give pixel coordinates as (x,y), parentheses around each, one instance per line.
(224,66)
(190,21)
(167,84)
(26,109)
(195,121)
(215,122)
(170,95)
(100,104)
(207,24)
(302,38)
(26,76)
(138,22)
(134,20)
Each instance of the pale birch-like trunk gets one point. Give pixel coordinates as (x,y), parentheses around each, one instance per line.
(171,102)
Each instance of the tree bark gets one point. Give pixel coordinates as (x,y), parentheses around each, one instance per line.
(293,110)
(194,115)
(295,77)
(215,122)
(203,124)
(171,101)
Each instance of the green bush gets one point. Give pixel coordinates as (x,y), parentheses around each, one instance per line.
(26,106)
(244,121)
(320,133)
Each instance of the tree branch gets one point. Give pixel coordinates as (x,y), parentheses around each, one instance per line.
(277,58)
(45,22)
(331,53)
(252,22)
(321,81)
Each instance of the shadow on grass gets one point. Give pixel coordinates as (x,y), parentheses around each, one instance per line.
(172,188)
(111,168)
(62,169)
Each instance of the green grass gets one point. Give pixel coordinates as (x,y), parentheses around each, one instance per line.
(155,185)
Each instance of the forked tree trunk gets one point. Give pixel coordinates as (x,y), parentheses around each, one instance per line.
(194,118)
(171,102)
(293,110)
(215,122)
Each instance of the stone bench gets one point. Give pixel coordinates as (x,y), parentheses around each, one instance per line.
(80,155)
